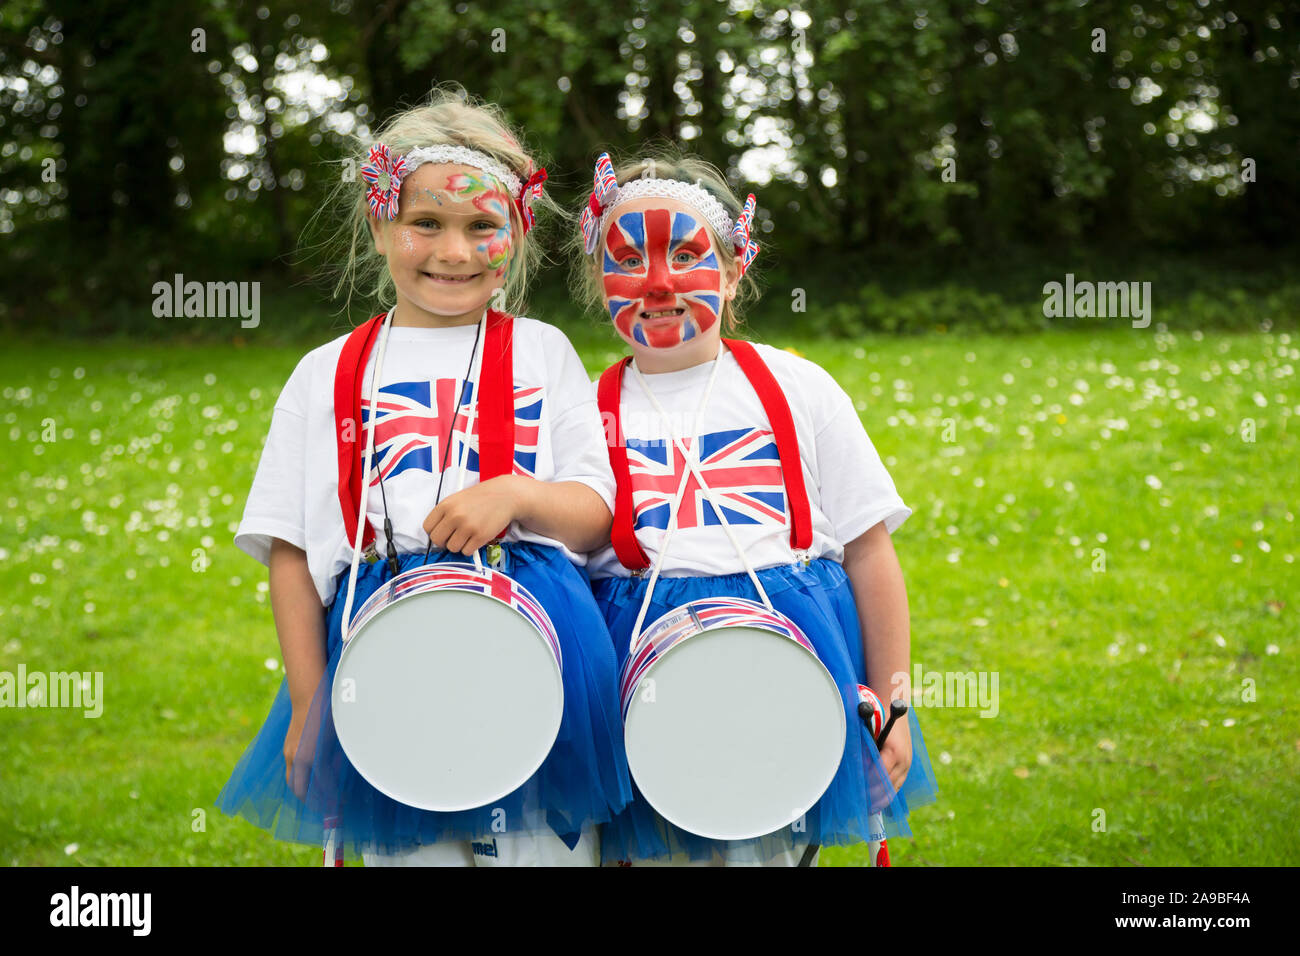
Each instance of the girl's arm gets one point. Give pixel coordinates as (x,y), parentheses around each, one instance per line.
(300,624)
(881,597)
(299,620)
(568,511)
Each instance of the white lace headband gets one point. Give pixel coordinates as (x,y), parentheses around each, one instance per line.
(607,195)
(688,193)
(466,157)
(384,171)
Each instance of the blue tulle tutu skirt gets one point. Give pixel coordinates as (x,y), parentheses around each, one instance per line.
(818,598)
(584,780)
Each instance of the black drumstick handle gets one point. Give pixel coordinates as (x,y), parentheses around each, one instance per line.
(897,708)
(809,852)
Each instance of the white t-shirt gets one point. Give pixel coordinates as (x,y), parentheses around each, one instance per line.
(849,490)
(558,437)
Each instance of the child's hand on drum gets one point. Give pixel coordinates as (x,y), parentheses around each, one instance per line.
(896,755)
(472,518)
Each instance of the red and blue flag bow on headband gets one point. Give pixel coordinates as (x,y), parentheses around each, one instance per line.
(606,185)
(530,191)
(746,247)
(384,173)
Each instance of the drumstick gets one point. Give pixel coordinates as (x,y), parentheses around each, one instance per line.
(897,708)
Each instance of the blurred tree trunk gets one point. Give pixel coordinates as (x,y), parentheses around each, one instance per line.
(384,72)
(88,175)
(264,53)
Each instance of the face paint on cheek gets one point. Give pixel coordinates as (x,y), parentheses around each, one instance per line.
(658,261)
(489,197)
(497,250)
(496,247)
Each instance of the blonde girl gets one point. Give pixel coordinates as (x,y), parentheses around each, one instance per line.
(437,229)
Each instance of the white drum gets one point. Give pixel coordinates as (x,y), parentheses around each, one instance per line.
(734,728)
(448,693)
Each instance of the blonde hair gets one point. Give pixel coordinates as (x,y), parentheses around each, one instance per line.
(450,116)
(665,162)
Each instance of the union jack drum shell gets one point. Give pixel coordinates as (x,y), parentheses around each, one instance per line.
(877,720)
(733,726)
(449,693)
(877,846)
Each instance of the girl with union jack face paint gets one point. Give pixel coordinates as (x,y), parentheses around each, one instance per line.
(744,472)
(664,280)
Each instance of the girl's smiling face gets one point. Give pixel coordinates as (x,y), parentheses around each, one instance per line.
(664,277)
(450,245)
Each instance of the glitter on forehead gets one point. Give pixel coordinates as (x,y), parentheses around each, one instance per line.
(459,188)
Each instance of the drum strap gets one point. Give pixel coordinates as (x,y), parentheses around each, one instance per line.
(609,397)
(495,410)
(347,421)
(787,442)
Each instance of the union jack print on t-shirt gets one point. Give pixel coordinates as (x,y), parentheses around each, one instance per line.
(414,420)
(528,421)
(740,465)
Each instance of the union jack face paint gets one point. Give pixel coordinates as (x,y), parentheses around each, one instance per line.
(661,276)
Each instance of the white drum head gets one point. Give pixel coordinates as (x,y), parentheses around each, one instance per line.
(739,735)
(454,700)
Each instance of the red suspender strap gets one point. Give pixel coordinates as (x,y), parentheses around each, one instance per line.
(609,396)
(496,399)
(787,442)
(496,411)
(347,422)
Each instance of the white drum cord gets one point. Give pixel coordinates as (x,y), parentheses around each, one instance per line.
(476,363)
(691,456)
(474,376)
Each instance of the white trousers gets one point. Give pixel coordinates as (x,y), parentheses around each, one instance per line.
(540,848)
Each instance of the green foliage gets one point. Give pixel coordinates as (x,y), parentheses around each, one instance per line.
(973,127)
(912,292)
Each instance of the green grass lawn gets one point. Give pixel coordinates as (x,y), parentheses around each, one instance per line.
(1091,525)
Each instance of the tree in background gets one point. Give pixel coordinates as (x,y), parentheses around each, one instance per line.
(136,141)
